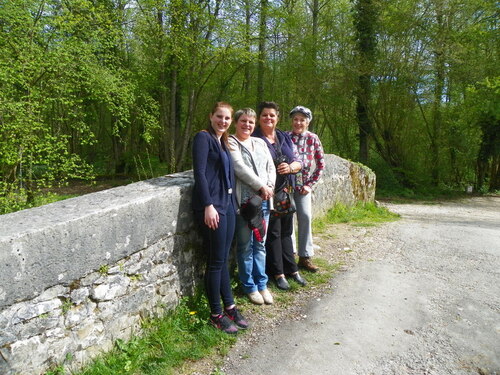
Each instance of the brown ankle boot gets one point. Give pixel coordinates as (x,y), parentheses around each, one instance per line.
(306,264)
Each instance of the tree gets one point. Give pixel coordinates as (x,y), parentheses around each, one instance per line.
(262,50)
(365,24)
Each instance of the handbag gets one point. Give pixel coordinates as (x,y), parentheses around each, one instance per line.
(284,204)
(251,208)
(251,211)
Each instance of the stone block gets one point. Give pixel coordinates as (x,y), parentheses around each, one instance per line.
(52,293)
(79,296)
(115,286)
(78,314)
(27,310)
(89,333)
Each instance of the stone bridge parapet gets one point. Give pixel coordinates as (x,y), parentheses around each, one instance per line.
(78,274)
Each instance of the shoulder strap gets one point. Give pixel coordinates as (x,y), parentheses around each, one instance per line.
(243,148)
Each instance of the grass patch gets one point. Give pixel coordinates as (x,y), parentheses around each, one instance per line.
(165,344)
(360,214)
(326,273)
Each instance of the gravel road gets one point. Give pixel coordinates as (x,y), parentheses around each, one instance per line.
(417,296)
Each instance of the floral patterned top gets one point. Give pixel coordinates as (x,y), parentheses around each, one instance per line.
(310,149)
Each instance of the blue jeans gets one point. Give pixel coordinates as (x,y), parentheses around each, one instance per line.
(217,244)
(251,255)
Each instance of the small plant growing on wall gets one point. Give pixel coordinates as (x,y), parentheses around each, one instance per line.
(103,270)
(66,306)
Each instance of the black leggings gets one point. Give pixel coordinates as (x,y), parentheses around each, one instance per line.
(217,244)
(279,247)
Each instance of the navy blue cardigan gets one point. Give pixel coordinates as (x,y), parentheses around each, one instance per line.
(287,148)
(210,182)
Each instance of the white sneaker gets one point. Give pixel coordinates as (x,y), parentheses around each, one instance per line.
(267,296)
(256,298)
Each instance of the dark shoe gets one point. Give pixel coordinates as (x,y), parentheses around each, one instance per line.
(281,283)
(305,263)
(299,279)
(223,323)
(235,315)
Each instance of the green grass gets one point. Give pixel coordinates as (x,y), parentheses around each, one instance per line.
(360,214)
(183,334)
(164,345)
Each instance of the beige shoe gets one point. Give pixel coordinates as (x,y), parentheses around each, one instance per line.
(267,296)
(256,298)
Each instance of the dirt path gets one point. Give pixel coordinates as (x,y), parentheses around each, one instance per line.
(418,296)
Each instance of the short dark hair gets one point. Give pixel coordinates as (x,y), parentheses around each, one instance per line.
(272,105)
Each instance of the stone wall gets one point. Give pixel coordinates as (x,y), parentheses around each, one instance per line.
(78,274)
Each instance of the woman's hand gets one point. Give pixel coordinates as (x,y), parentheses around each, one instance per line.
(266,192)
(283,168)
(305,190)
(211,217)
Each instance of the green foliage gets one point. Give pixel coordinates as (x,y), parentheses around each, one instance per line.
(66,306)
(165,343)
(103,269)
(59,370)
(116,88)
(12,201)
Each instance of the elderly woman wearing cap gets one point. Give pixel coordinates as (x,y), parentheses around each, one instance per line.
(309,149)
(280,260)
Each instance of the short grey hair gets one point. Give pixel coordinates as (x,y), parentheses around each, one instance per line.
(245,111)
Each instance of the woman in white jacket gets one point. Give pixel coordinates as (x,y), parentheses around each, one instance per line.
(255,175)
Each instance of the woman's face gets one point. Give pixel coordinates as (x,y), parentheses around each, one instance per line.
(268,120)
(299,123)
(245,126)
(220,120)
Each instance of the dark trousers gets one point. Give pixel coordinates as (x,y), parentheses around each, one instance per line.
(279,247)
(217,244)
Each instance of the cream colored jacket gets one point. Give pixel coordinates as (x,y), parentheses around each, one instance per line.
(248,182)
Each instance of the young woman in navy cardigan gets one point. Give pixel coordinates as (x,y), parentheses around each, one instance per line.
(215,209)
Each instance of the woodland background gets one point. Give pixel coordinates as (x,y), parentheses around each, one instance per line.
(94,88)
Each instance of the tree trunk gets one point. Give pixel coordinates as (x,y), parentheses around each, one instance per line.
(262,50)
(314,58)
(439,85)
(366,40)
(182,151)
(247,78)
(495,174)
(172,123)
